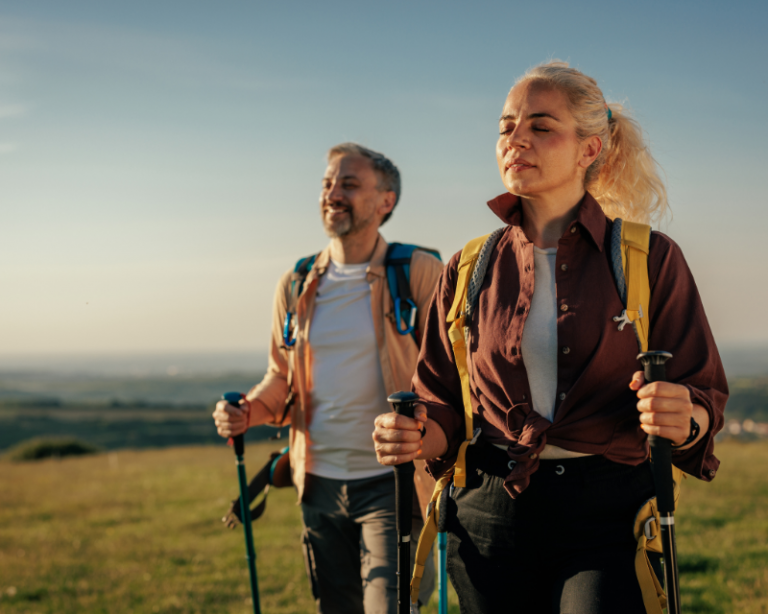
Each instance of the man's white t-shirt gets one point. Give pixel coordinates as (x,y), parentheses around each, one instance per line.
(347,386)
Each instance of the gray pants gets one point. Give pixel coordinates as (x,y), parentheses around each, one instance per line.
(350,545)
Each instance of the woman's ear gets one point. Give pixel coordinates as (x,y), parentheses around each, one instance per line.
(590,150)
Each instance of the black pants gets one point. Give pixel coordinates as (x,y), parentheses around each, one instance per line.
(563,546)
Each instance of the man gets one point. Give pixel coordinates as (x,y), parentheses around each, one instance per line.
(347,358)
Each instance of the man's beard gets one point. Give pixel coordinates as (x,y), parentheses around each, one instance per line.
(346,226)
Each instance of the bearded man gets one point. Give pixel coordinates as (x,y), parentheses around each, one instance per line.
(339,351)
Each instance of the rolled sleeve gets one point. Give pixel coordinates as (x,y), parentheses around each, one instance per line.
(272,391)
(436,380)
(679,325)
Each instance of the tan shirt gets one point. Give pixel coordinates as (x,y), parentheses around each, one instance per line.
(397,353)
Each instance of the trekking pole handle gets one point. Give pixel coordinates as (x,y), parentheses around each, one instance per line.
(656,371)
(403,403)
(234,398)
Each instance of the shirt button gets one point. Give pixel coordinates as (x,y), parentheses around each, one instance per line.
(573,229)
(525,397)
(561,396)
(534,456)
(563,307)
(566,349)
(563,267)
(712,473)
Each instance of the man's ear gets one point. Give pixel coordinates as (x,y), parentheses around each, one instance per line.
(591,148)
(387,203)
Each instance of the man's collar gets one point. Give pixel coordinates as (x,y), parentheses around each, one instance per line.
(375,266)
(590,216)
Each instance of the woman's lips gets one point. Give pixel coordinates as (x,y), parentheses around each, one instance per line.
(519,166)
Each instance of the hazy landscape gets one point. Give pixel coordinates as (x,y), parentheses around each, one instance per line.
(136,527)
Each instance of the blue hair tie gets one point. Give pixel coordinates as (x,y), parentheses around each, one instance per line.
(608,110)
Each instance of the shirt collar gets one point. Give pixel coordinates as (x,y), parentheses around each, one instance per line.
(375,267)
(590,216)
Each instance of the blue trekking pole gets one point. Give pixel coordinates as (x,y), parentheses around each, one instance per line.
(661,460)
(234,398)
(442,553)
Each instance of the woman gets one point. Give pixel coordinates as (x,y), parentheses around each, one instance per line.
(544,524)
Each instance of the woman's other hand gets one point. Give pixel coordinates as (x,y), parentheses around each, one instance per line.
(666,410)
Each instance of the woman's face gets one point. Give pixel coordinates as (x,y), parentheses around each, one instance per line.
(538,151)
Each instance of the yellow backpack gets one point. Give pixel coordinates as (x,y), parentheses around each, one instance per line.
(629,253)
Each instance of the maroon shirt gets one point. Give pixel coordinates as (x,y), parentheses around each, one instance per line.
(595,411)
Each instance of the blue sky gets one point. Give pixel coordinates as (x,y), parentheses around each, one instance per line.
(160,162)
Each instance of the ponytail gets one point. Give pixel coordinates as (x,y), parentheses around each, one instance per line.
(624,179)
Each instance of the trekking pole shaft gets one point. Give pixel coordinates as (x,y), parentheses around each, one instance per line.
(403,403)
(661,455)
(245,514)
(238,441)
(442,553)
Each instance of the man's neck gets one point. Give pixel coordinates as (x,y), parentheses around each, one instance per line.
(545,219)
(355,249)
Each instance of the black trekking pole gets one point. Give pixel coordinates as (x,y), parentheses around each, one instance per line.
(661,457)
(403,403)
(234,398)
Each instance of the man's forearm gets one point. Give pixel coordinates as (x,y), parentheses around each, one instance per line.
(260,414)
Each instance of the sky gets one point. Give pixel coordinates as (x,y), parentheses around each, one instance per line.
(160,162)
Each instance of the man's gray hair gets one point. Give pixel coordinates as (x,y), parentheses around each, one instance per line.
(389,175)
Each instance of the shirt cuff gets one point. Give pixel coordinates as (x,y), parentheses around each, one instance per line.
(452,424)
(699,460)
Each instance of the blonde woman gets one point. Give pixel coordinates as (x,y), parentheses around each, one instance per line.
(545,523)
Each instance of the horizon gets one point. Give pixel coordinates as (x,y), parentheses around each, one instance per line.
(746,359)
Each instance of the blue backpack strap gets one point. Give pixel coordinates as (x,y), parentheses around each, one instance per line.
(398,265)
(300,272)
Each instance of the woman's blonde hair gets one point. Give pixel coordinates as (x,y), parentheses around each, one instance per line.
(624,178)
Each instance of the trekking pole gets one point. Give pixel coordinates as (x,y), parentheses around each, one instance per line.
(442,553)
(234,398)
(661,457)
(403,403)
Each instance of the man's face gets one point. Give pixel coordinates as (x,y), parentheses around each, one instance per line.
(350,200)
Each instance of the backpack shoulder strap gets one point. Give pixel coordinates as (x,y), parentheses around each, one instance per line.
(630,246)
(300,271)
(398,267)
(472,266)
(630,243)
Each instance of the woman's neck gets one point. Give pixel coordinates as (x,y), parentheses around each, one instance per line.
(545,219)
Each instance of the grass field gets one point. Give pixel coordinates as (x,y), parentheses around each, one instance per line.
(140,531)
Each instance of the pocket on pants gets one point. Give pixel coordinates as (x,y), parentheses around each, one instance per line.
(309,563)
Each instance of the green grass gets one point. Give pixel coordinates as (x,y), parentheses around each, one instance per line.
(140,531)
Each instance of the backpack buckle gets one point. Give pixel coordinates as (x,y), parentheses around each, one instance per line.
(624,319)
(399,315)
(289,339)
(647,528)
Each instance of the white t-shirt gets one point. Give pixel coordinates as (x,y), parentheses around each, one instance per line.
(539,344)
(347,386)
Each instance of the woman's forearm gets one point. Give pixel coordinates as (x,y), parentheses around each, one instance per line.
(434,443)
